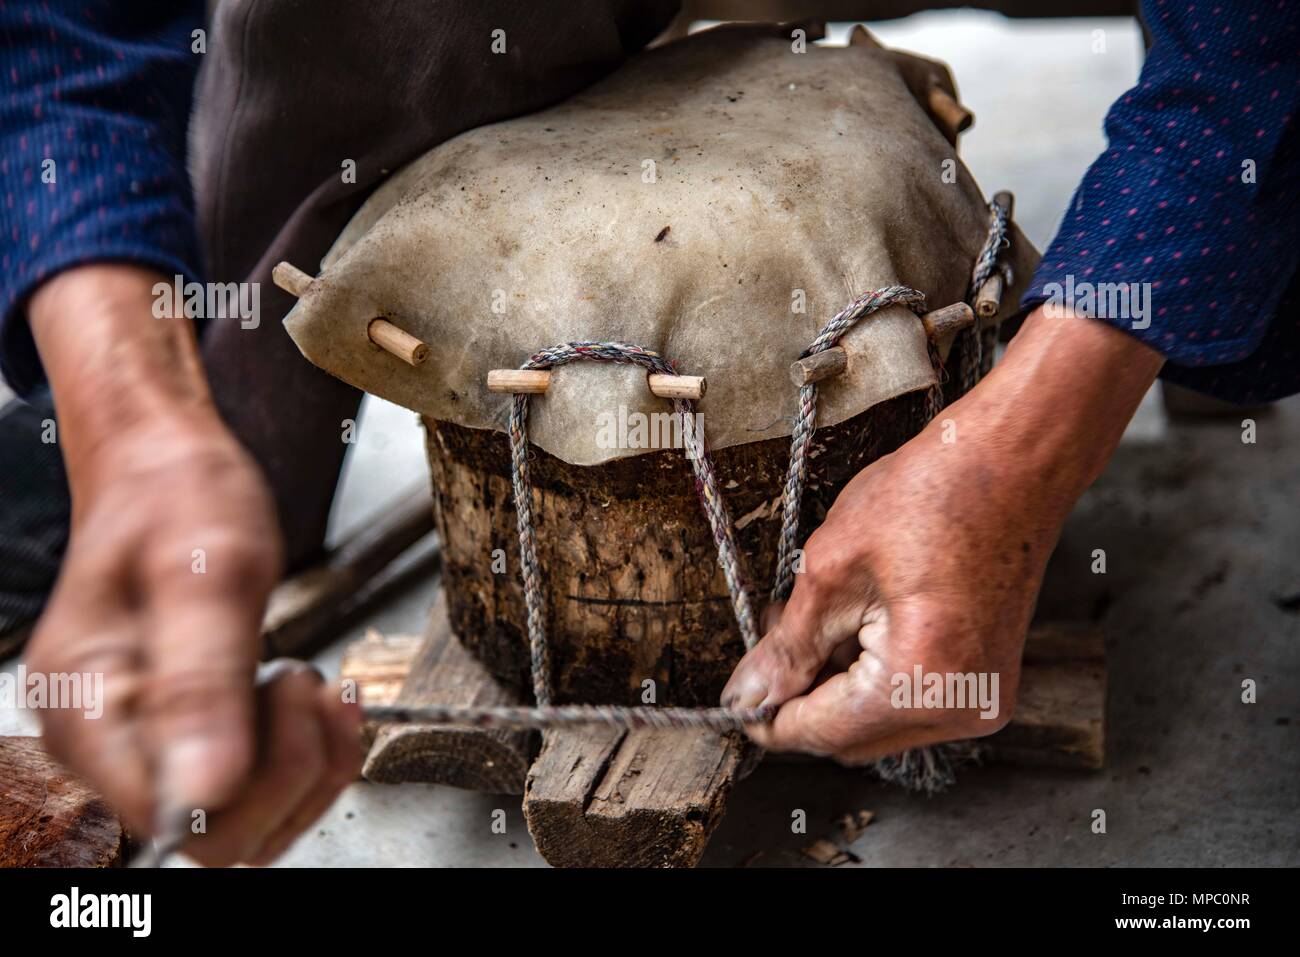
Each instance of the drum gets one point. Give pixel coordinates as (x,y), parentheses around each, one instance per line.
(716,201)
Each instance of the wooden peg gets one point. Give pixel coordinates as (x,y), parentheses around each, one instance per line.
(291,279)
(527,381)
(381,332)
(397,342)
(537,381)
(819,365)
(1005,201)
(951,117)
(833,361)
(949,319)
(988,301)
(677,386)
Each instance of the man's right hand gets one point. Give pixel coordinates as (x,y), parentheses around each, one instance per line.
(173,552)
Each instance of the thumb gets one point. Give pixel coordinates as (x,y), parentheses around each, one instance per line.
(788,658)
(200,701)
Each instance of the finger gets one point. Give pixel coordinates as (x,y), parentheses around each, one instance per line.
(908,737)
(341,724)
(102,741)
(204,641)
(290,764)
(790,656)
(846,719)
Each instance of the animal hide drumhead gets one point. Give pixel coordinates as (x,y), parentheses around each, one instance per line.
(717,199)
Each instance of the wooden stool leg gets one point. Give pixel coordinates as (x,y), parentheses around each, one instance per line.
(648,798)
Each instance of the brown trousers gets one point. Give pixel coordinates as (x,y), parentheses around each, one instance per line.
(291,90)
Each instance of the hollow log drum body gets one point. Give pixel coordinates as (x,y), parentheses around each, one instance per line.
(633,590)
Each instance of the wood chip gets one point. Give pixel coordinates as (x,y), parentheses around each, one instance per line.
(824,852)
(853,824)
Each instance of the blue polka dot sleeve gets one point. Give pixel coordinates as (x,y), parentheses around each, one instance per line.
(96,98)
(1184,232)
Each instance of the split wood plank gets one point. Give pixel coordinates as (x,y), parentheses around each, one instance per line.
(441,672)
(1060,716)
(605,797)
(377,665)
(48,818)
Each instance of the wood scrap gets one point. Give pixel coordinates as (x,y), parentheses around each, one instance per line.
(824,852)
(378,665)
(48,818)
(441,672)
(852,825)
(1059,721)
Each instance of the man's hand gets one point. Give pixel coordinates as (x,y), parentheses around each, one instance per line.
(933,556)
(174,549)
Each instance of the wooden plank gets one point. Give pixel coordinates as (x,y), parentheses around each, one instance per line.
(49,818)
(1060,717)
(647,798)
(378,665)
(443,672)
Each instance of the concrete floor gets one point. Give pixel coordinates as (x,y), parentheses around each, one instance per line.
(1200,530)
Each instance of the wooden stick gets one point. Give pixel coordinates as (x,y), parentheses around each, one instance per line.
(537,381)
(951,117)
(1006,201)
(833,361)
(527,381)
(677,386)
(291,279)
(397,342)
(380,331)
(988,301)
(949,319)
(819,365)
(1060,716)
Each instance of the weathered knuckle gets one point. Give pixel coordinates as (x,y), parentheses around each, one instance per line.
(195,692)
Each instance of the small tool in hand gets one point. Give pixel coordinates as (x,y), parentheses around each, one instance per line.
(172,829)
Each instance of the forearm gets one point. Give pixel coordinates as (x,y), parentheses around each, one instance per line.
(1051,413)
(115,368)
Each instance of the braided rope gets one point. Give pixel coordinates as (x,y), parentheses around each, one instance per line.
(575,715)
(546,715)
(985,263)
(805,422)
(706,486)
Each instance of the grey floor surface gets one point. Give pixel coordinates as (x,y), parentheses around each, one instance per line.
(1202,591)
